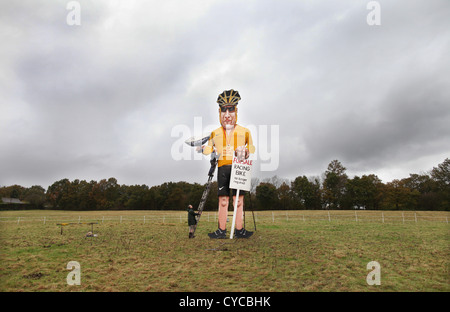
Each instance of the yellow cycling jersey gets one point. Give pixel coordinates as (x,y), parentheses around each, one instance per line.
(225,145)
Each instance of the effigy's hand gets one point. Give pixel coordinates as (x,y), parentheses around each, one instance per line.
(241,153)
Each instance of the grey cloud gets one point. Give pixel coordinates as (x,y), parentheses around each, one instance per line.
(100,100)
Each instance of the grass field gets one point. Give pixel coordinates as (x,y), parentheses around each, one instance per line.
(285,254)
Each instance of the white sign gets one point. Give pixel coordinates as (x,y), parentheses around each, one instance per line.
(241,178)
(241,174)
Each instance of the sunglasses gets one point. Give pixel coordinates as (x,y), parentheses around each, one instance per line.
(231,109)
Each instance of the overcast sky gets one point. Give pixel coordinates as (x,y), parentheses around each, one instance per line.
(108,97)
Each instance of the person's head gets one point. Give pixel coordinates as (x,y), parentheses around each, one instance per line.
(190,207)
(228,101)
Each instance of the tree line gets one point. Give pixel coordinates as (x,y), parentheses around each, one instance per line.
(333,190)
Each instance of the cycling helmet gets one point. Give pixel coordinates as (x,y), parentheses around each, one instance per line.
(228,97)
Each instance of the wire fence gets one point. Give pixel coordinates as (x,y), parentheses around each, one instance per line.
(260,216)
(361,217)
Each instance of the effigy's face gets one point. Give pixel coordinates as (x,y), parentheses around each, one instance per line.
(228,118)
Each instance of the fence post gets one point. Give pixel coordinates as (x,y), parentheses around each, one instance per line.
(79,219)
(18,220)
(287,217)
(44,220)
(403,217)
(329,219)
(144,219)
(356,216)
(273,218)
(103,218)
(415,217)
(382,217)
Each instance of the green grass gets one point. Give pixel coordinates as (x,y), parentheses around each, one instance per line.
(285,255)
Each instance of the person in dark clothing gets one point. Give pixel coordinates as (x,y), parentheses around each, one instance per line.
(192,220)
